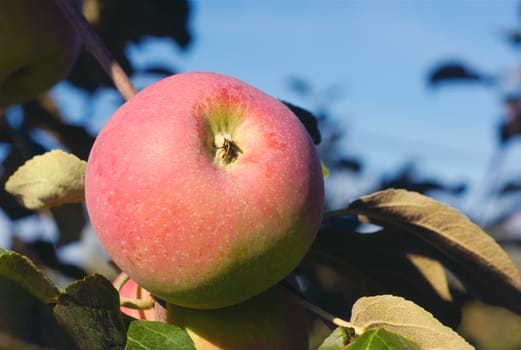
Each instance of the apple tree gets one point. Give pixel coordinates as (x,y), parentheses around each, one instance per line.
(305,277)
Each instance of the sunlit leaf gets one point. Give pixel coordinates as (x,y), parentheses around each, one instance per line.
(89,310)
(49,180)
(403,317)
(144,335)
(22,270)
(466,249)
(433,272)
(380,339)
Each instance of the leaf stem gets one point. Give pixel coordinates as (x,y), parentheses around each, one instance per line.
(97,48)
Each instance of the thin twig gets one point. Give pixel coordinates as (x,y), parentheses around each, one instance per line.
(97,48)
(323,314)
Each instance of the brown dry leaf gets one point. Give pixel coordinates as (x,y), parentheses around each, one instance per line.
(48,180)
(466,249)
(403,317)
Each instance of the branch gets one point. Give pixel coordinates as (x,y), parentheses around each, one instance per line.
(97,48)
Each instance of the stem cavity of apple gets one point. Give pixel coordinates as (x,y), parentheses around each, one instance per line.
(226,150)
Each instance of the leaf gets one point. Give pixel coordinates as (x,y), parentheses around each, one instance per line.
(89,310)
(120,22)
(307,119)
(48,180)
(26,322)
(338,339)
(456,71)
(22,270)
(8,342)
(380,339)
(144,335)
(433,272)
(403,317)
(16,157)
(70,220)
(386,262)
(465,248)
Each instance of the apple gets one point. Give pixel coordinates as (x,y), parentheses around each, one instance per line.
(270,320)
(204,190)
(39,48)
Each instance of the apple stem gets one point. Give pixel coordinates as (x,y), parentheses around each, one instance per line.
(121,281)
(97,48)
(323,314)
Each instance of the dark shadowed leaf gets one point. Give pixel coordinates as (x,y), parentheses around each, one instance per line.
(9,342)
(386,262)
(465,248)
(456,72)
(22,270)
(70,219)
(43,253)
(348,163)
(26,322)
(308,119)
(89,310)
(338,339)
(380,339)
(513,37)
(510,187)
(44,115)
(144,335)
(407,179)
(120,22)
(403,317)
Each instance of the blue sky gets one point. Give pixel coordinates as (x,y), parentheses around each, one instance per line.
(379,52)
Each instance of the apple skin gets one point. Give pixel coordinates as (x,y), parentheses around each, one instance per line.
(268,321)
(197,222)
(39,48)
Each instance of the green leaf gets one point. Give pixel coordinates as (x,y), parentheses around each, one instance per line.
(89,310)
(338,339)
(380,339)
(467,250)
(48,180)
(403,317)
(145,335)
(23,271)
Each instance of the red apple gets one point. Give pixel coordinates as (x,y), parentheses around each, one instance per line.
(268,321)
(39,48)
(204,190)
